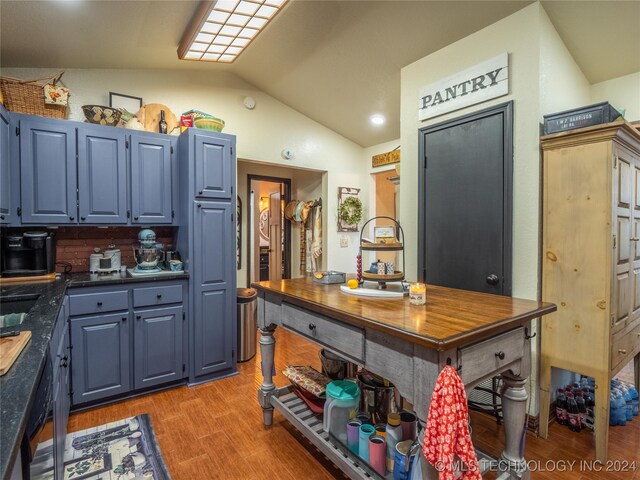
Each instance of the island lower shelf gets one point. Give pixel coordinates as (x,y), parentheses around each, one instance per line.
(310,425)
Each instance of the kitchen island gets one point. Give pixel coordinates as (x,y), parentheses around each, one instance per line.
(481,335)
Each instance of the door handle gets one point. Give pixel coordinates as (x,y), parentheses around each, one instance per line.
(493,279)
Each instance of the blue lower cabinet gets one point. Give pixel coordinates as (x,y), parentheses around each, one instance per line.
(158,346)
(101,357)
(213,332)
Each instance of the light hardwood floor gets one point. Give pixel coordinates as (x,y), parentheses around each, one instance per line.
(215,431)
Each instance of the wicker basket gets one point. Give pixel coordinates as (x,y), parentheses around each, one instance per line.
(26,96)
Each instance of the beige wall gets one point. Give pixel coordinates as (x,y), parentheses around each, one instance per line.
(543,79)
(562,84)
(305,185)
(261,133)
(518,35)
(622,92)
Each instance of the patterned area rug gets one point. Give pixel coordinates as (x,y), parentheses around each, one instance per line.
(122,450)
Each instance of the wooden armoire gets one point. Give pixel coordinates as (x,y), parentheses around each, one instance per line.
(591,260)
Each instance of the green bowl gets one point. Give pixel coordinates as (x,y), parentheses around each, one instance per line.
(211,123)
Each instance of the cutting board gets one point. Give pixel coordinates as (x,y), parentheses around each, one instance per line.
(10,348)
(50,277)
(373,292)
(149,116)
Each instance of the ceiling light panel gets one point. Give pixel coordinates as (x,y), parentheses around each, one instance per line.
(225,29)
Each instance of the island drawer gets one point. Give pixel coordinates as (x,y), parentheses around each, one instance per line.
(492,355)
(157,295)
(343,338)
(87,303)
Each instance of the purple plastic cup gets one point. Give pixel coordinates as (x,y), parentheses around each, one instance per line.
(353,434)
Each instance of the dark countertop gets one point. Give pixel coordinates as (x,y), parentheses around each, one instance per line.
(18,386)
(87,279)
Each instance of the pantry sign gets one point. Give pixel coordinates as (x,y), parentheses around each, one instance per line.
(477,84)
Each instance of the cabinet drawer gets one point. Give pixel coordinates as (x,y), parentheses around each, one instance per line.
(344,339)
(87,303)
(624,344)
(491,355)
(160,295)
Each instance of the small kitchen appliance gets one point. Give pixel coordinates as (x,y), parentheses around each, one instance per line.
(170,255)
(28,254)
(149,254)
(107,262)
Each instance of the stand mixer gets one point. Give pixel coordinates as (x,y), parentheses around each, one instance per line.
(148,254)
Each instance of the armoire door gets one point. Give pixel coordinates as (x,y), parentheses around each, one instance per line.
(465,202)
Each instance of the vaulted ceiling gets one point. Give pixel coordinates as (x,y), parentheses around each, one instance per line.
(336,61)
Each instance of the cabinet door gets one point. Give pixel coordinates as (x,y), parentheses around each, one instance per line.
(214,169)
(5,169)
(214,312)
(100,357)
(157,346)
(623,179)
(48,171)
(635,241)
(150,180)
(102,176)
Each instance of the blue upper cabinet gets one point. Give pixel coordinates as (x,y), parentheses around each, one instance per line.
(6,207)
(102,175)
(213,175)
(151,178)
(48,171)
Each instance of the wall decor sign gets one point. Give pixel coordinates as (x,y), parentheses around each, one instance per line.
(386,158)
(476,84)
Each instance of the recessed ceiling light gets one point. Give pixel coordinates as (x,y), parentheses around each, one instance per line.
(377,119)
(236,23)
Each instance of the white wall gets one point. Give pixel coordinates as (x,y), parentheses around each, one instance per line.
(622,92)
(261,133)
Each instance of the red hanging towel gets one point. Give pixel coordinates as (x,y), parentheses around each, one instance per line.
(447,429)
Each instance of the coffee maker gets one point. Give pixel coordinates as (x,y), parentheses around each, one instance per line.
(28,254)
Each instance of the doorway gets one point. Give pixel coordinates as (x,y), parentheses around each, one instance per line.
(386,196)
(465,202)
(269,233)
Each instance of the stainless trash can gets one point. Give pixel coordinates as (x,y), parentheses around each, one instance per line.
(247,317)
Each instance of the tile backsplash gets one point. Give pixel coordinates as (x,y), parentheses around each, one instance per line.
(75,244)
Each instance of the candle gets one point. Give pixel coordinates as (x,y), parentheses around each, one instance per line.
(417,294)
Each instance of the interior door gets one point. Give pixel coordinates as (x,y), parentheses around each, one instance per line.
(465,202)
(275,237)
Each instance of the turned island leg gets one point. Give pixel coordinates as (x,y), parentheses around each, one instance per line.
(514,410)
(267,352)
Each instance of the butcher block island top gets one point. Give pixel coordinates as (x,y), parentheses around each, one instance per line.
(449,319)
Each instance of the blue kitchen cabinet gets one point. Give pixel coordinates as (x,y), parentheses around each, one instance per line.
(157,349)
(102,175)
(48,171)
(101,357)
(151,179)
(214,251)
(214,177)
(207,242)
(7,208)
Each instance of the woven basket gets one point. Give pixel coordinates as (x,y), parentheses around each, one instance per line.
(26,96)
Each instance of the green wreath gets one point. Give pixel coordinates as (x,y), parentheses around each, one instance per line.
(350,211)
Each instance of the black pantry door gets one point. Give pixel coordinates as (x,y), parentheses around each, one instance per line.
(465,202)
